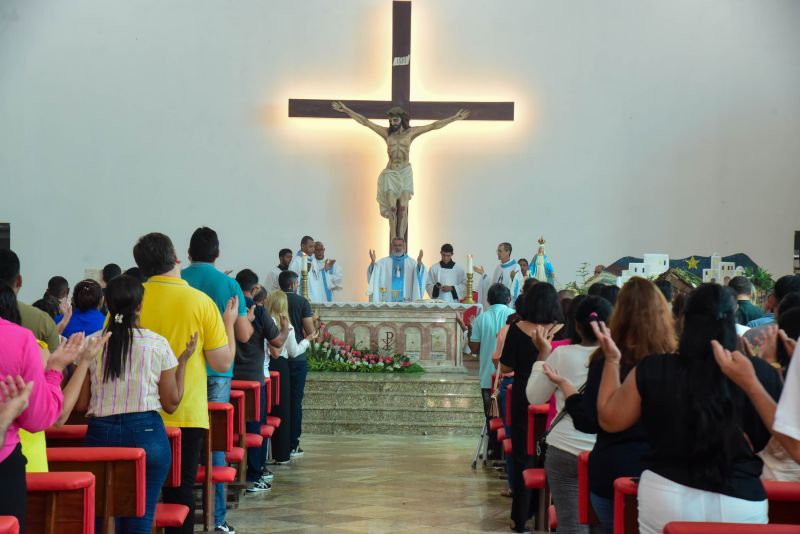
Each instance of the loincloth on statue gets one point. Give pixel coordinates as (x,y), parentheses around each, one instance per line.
(393,183)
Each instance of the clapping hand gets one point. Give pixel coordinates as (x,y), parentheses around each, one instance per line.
(606,342)
(189,350)
(93,345)
(419,257)
(372,256)
(479,269)
(14,395)
(338,106)
(734,365)
(66,353)
(231,311)
(462,114)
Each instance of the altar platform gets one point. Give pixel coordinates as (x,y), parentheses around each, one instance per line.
(426,331)
(385,403)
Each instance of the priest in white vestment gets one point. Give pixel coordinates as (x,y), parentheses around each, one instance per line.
(507,273)
(325,276)
(400,277)
(446,280)
(284,258)
(306,251)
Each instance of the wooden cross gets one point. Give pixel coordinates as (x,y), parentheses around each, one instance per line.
(401,88)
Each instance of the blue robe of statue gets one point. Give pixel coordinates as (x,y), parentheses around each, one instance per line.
(548,270)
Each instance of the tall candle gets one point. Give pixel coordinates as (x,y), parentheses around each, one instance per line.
(469,263)
(304,262)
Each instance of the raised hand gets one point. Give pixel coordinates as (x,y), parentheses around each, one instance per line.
(329,264)
(419,257)
(372,256)
(462,114)
(189,350)
(553,375)
(734,365)
(313,335)
(338,106)
(606,342)
(64,307)
(788,343)
(541,340)
(66,353)
(231,311)
(251,313)
(513,274)
(479,269)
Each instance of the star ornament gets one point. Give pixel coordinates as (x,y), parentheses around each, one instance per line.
(692,263)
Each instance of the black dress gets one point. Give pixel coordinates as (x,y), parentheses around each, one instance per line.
(520,353)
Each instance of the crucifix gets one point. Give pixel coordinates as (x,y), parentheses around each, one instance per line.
(395,185)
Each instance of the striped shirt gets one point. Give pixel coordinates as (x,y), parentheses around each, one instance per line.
(136,390)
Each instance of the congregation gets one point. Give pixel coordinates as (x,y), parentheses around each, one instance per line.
(695,394)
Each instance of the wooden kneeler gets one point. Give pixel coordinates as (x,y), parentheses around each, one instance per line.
(9,525)
(171,515)
(60,503)
(219,438)
(535,477)
(120,475)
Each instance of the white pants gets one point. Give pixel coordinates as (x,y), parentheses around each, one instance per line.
(662,501)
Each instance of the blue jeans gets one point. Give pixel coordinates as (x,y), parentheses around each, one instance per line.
(257,457)
(604,509)
(297,382)
(144,430)
(502,402)
(219,390)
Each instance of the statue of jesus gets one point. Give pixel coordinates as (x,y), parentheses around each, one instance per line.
(396,181)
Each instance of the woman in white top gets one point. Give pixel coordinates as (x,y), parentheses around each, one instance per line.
(135,377)
(564,442)
(277,306)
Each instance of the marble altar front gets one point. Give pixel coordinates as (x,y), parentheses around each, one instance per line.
(425,331)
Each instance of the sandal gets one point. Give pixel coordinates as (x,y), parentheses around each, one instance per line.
(506,493)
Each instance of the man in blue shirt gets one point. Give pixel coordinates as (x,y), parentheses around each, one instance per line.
(204,276)
(483,340)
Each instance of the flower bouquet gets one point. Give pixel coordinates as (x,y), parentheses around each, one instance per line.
(329,353)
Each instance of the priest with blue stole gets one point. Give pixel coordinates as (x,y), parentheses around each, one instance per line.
(396,277)
(507,273)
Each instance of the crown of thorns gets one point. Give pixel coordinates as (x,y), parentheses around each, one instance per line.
(397,111)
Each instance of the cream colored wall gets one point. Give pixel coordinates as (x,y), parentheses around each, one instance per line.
(642,126)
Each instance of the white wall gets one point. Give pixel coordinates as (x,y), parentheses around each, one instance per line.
(642,126)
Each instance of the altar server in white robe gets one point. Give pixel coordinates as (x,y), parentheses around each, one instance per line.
(446,280)
(284,258)
(325,276)
(396,272)
(507,273)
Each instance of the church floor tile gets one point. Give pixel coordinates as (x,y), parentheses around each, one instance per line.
(377,484)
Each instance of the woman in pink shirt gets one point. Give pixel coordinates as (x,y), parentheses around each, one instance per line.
(21,360)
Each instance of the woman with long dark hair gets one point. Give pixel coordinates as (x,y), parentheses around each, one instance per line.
(130,381)
(541,315)
(641,325)
(702,430)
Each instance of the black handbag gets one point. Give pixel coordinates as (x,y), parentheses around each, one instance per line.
(541,443)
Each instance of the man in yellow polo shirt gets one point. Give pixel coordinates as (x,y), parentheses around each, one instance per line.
(176,311)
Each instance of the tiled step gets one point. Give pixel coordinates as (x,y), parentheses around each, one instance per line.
(392,404)
(360,399)
(387,427)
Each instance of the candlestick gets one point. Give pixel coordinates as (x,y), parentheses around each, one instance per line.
(304,283)
(468,299)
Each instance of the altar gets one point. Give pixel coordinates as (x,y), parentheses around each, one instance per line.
(425,331)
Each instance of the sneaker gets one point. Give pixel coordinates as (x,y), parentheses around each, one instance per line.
(276,462)
(267,476)
(259,486)
(296,453)
(224,527)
